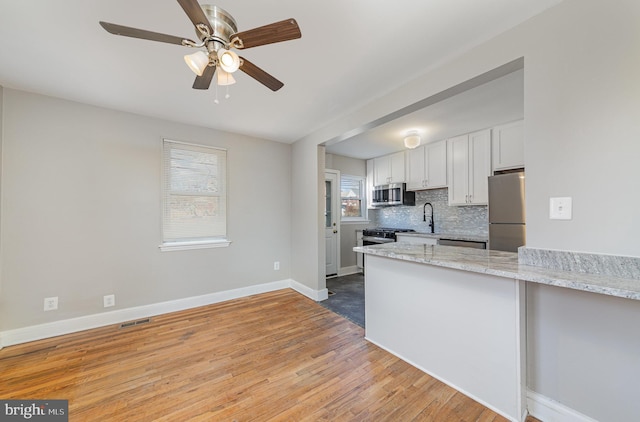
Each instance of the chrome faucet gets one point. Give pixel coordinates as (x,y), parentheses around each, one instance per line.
(424,216)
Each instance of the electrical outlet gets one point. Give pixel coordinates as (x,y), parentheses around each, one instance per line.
(276,265)
(51,303)
(109,300)
(560,208)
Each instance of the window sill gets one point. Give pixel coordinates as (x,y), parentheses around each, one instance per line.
(364,221)
(201,244)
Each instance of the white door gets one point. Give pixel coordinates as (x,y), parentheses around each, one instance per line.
(332,220)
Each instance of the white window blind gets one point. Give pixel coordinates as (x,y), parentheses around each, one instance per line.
(195,197)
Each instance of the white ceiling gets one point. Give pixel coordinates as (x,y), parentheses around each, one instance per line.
(347,56)
(490,104)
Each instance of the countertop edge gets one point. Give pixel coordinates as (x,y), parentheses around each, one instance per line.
(594,283)
(451,236)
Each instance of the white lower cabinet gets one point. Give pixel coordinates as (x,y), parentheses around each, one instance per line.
(476,320)
(468,168)
(416,240)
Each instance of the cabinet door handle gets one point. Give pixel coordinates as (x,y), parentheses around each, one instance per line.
(470,201)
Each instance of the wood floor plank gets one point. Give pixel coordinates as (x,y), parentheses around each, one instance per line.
(270,357)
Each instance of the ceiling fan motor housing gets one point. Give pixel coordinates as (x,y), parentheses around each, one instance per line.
(222,23)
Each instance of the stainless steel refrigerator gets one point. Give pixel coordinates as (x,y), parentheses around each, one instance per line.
(506,212)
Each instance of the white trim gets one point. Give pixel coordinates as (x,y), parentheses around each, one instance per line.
(336,214)
(201,244)
(348,222)
(548,410)
(317,295)
(191,144)
(353,269)
(364,217)
(67,326)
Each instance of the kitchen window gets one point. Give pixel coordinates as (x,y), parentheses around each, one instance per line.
(353,198)
(194,205)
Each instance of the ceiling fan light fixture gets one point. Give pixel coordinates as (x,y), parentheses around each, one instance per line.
(197,62)
(412,140)
(225,78)
(228,60)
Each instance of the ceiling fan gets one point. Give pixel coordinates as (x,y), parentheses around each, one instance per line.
(218,34)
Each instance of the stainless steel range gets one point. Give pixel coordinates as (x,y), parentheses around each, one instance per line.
(380,235)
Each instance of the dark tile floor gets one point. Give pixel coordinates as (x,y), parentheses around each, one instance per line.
(346,297)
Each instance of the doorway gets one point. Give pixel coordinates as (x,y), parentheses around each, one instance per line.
(332,222)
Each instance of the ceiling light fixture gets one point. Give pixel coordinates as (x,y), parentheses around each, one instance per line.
(228,60)
(225,78)
(197,62)
(412,140)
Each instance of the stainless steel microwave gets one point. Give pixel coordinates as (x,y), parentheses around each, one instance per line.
(392,194)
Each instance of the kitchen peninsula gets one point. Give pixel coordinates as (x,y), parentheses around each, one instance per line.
(461,315)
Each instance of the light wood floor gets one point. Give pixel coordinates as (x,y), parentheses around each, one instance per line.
(275,356)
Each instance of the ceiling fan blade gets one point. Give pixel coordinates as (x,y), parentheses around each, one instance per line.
(285,30)
(260,75)
(204,81)
(142,34)
(194,11)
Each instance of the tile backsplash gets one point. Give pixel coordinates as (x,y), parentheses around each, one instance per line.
(469,220)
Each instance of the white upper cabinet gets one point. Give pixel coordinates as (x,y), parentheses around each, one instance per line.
(468,168)
(508,146)
(427,167)
(389,169)
(415,168)
(370,183)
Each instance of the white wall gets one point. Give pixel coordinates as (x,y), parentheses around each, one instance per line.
(581,97)
(582,108)
(81,212)
(346,165)
(307,208)
(583,351)
(1,135)
(582,105)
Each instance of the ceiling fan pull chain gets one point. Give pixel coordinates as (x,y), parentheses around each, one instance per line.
(216,99)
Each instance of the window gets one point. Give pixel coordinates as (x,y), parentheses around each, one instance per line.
(353,199)
(194,206)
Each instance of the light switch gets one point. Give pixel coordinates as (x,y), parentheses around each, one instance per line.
(560,208)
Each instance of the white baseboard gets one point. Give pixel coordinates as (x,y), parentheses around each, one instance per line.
(548,410)
(349,270)
(67,326)
(317,295)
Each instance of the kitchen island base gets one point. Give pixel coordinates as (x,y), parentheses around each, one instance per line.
(464,328)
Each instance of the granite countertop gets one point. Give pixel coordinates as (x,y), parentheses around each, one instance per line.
(452,236)
(504,264)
